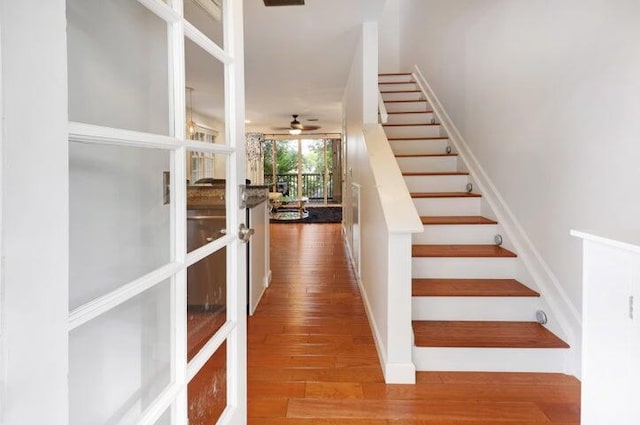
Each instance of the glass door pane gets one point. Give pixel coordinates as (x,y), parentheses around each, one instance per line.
(313,170)
(206,300)
(206,16)
(207,390)
(287,167)
(205,95)
(269,169)
(119,217)
(121,361)
(118,65)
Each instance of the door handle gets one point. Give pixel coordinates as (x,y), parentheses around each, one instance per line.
(245,233)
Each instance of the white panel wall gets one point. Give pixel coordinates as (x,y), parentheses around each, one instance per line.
(546,95)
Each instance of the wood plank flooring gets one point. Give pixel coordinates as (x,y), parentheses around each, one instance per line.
(312,358)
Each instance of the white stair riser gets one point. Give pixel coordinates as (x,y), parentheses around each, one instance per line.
(436,183)
(521,309)
(461,234)
(407,106)
(394,78)
(490,359)
(428,164)
(413,147)
(395,87)
(463,268)
(448,206)
(413,131)
(422,118)
(408,95)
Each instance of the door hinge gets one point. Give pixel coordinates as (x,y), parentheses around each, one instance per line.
(631,307)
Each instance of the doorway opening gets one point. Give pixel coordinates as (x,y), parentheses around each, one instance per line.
(305,168)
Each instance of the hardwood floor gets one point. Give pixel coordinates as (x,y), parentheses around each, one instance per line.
(312,358)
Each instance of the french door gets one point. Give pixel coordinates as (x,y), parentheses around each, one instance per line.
(157,293)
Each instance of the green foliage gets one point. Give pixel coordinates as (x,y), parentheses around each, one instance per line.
(286,158)
(286,163)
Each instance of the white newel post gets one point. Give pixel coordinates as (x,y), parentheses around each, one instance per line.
(399,367)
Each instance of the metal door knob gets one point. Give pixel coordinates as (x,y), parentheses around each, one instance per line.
(245,233)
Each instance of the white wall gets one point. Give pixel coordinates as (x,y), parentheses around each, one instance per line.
(389,38)
(546,95)
(372,229)
(34,213)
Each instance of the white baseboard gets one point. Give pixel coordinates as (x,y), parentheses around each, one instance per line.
(565,320)
(394,373)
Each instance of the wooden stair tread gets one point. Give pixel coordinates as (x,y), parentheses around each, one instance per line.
(408,112)
(445,195)
(400,91)
(435,173)
(470,288)
(418,124)
(418,138)
(469,334)
(393,74)
(461,251)
(405,101)
(396,82)
(463,219)
(417,155)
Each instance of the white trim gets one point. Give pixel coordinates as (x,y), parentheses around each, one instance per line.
(382,109)
(162,10)
(95,134)
(208,249)
(101,305)
(3,353)
(193,145)
(89,133)
(209,349)
(398,208)
(205,43)
(162,402)
(394,373)
(629,240)
(565,313)
(178,175)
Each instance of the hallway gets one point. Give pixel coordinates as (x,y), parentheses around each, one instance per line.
(312,358)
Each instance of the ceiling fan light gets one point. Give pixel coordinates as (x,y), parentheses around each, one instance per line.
(295,131)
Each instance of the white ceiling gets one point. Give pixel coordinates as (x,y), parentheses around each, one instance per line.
(298,58)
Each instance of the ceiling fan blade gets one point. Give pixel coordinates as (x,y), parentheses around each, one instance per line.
(310,127)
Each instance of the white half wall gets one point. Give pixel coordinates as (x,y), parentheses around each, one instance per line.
(386,295)
(546,96)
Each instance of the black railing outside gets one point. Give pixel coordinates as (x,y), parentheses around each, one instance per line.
(313,184)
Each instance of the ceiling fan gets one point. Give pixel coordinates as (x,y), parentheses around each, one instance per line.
(296,127)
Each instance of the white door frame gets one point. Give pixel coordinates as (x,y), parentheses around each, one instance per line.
(34,314)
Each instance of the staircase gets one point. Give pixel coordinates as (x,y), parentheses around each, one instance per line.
(470,310)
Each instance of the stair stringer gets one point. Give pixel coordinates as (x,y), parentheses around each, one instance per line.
(564,318)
